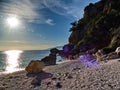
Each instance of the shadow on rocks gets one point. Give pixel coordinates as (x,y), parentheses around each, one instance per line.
(38,77)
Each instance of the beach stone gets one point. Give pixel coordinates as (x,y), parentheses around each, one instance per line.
(98,54)
(69,77)
(35,66)
(2,88)
(54,78)
(34,81)
(117,89)
(58,85)
(118,51)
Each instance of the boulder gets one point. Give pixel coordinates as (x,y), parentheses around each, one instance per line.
(98,54)
(110,56)
(54,51)
(49,60)
(118,51)
(35,66)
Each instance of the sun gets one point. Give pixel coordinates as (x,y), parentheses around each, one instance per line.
(13,21)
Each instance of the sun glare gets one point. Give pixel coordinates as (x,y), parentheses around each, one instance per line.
(12,21)
(12,63)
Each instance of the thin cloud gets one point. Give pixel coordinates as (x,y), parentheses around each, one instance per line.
(32,10)
(63,8)
(24,9)
(74,9)
(50,22)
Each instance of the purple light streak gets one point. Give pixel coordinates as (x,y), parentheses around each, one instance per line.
(89,61)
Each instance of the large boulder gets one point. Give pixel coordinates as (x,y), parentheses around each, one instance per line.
(118,51)
(49,60)
(54,51)
(35,66)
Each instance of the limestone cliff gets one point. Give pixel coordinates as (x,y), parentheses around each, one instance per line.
(99,27)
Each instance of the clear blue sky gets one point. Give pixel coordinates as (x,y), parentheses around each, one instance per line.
(42,23)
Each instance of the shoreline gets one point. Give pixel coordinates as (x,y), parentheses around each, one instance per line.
(69,75)
(3,72)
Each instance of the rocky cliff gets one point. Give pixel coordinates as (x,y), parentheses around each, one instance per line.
(99,27)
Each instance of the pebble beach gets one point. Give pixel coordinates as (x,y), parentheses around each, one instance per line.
(69,75)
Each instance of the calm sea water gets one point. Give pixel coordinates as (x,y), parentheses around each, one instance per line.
(14,60)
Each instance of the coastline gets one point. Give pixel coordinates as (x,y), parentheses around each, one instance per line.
(69,75)
(3,72)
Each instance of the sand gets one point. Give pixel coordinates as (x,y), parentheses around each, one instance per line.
(70,75)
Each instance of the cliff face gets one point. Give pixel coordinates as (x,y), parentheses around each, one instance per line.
(99,27)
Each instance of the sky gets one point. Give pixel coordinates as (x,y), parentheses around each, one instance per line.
(42,23)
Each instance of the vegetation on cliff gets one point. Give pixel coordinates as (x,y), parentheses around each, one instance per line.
(99,27)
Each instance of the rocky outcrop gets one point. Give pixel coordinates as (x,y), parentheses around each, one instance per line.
(35,66)
(54,51)
(51,59)
(75,37)
(103,56)
(99,27)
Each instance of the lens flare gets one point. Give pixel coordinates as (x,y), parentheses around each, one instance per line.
(89,61)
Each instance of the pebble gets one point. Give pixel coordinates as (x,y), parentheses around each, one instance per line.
(48,83)
(54,78)
(69,77)
(34,81)
(58,85)
(10,77)
(2,88)
(117,89)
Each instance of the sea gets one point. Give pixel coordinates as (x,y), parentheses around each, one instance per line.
(15,60)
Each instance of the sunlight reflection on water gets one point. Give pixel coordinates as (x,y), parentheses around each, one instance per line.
(12,63)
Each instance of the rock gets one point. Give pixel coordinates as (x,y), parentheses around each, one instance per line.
(107,50)
(54,78)
(48,83)
(35,66)
(92,51)
(54,51)
(98,54)
(99,26)
(69,77)
(90,10)
(112,55)
(34,81)
(49,60)
(118,51)
(52,55)
(75,37)
(58,85)
(2,88)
